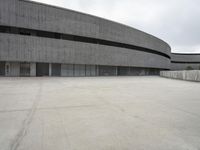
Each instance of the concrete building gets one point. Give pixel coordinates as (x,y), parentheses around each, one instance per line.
(42,40)
(185,61)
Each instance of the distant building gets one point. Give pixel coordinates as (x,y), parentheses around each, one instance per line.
(41,40)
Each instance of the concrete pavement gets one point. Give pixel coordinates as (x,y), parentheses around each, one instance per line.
(100,113)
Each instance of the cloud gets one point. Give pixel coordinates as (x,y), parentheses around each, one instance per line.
(175,21)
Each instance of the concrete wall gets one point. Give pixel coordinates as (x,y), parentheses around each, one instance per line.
(43,17)
(184,66)
(183,61)
(193,75)
(33,15)
(37,49)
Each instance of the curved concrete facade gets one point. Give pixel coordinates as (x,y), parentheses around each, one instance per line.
(35,36)
(185,61)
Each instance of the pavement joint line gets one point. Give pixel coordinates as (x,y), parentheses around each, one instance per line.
(13,110)
(142,114)
(47,108)
(22,132)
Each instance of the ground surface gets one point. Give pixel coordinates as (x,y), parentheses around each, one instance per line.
(113,113)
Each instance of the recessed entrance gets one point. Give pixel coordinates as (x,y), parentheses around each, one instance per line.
(25,69)
(2,68)
(42,69)
(56,69)
(107,71)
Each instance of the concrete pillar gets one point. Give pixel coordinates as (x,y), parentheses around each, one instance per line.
(50,69)
(32,69)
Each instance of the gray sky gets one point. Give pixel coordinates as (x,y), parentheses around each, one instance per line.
(175,21)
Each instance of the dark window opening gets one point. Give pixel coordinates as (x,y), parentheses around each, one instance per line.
(67,37)
(54,35)
(57,36)
(107,71)
(25,69)
(56,69)
(2,68)
(24,33)
(4,29)
(42,69)
(185,62)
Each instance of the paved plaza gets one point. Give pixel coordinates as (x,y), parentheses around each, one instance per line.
(99,113)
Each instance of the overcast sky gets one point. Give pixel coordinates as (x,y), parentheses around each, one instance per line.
(175,21)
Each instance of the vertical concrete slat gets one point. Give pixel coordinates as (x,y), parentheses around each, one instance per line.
(32,69)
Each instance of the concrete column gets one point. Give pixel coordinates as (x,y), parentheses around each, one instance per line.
(32,69)
(50,69)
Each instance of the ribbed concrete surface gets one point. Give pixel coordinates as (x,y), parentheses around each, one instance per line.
(32,15)
(183,61)
(116,113)
(193,75)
